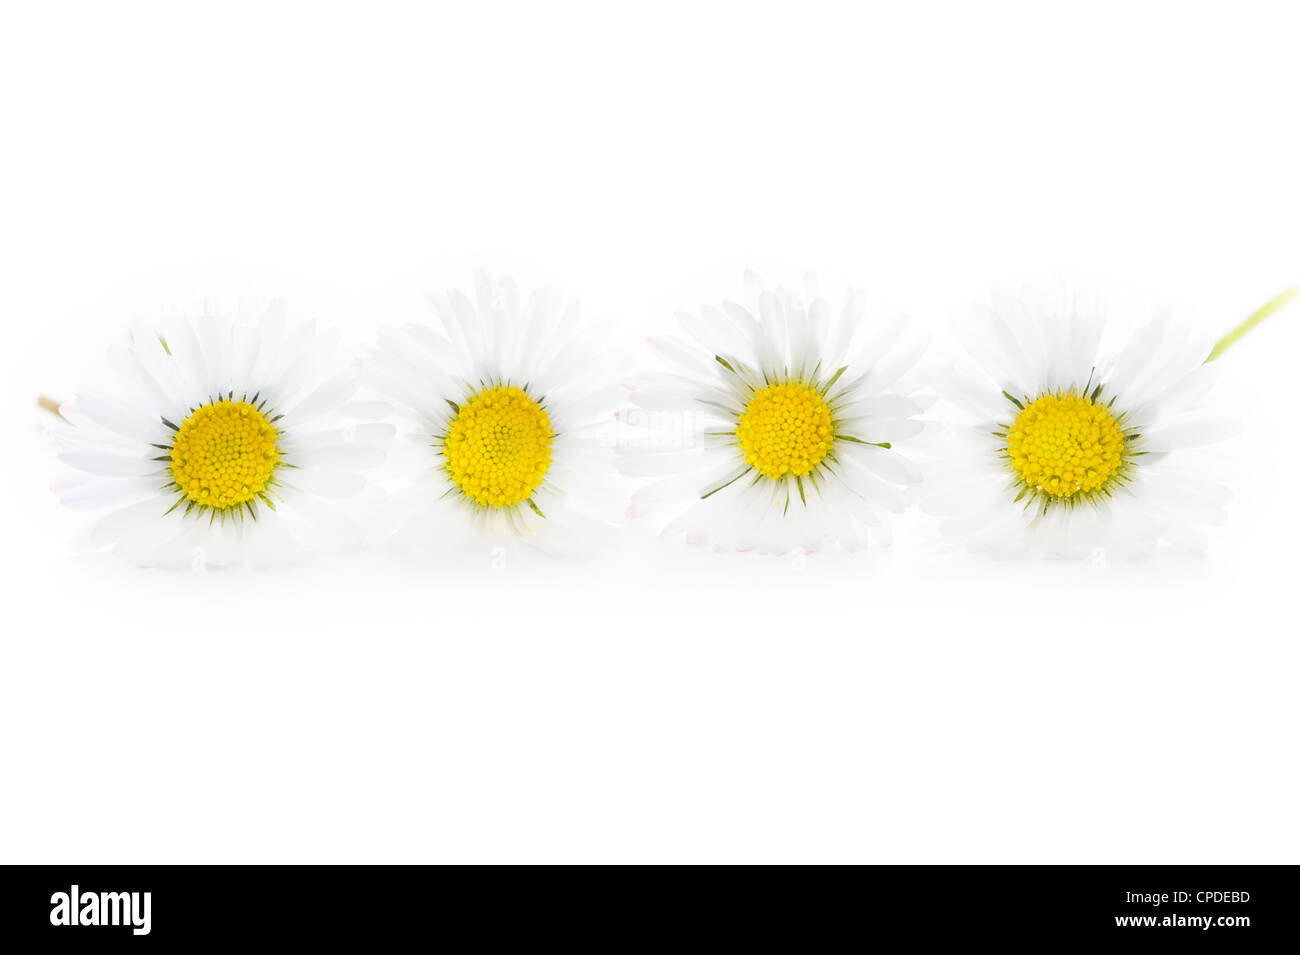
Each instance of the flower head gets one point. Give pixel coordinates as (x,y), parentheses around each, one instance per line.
(220,444)
(783,421)
(503,403)
(1069,450)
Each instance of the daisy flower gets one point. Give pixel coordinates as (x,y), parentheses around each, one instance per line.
(503,403)
(779,422)
(1069,451)
(221,444)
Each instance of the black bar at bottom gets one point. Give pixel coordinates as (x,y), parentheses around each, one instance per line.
(384,906)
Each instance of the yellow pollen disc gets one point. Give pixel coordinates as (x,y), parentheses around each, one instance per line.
(1065,444)
(498,448)
(786,429)
(223,454)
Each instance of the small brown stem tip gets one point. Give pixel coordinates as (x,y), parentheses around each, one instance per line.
(50,405)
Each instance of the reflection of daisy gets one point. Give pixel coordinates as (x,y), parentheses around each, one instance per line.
(221,445)
(1071,454)
(503,401)
(790,416)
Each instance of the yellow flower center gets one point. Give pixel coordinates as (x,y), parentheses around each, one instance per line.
(223,454)
(498,447)
(1065,444)
(786,429)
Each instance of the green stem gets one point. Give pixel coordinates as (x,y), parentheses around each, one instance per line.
(1261,313)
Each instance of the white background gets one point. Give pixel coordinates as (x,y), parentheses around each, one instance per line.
(659,703)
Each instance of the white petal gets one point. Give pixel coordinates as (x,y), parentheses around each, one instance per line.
(117,417)
(1188,433)
(110,465)
(887,464)
(353,456)
(326,483)
(96,494)
(326,397)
